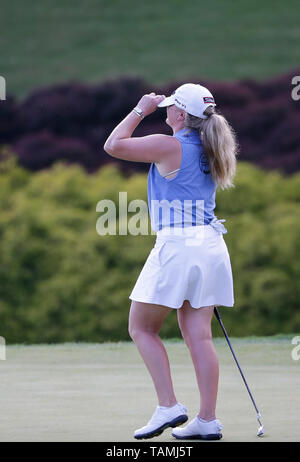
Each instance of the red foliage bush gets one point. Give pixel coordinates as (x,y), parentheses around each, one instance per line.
(71,121)
(42,149)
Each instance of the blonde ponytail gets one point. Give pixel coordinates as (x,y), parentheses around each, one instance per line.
(219,145)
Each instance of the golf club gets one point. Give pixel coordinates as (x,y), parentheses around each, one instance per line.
(261,429)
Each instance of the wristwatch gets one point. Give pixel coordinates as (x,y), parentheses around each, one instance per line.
(139,112)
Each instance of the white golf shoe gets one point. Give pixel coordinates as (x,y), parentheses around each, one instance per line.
(162,418)
(200,430)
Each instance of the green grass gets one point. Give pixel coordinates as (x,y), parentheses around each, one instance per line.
(54,41)
(103,392)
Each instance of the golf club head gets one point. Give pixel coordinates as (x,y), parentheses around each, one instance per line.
(261,431)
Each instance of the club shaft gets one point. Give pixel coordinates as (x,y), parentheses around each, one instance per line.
(217,314)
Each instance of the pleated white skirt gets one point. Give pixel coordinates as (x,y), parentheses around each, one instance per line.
(190,263)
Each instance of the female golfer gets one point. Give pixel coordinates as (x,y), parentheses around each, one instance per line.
(189,267)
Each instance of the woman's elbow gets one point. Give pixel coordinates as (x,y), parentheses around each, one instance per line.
(109,148)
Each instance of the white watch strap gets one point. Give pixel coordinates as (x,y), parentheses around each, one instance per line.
(139,112)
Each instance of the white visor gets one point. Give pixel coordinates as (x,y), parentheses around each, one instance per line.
(168,101)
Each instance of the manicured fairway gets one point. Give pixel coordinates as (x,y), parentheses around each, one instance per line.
(57,40)
(102,392)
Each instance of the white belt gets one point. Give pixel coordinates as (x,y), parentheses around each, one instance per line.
(183,232)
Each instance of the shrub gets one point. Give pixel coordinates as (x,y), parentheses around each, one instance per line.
(78,119)
(61,281)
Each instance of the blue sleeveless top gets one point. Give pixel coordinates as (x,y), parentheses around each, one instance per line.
(188,199)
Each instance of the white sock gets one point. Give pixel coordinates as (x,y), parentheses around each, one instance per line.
(205,421)
(167,407)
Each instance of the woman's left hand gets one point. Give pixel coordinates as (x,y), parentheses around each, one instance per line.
(148,103)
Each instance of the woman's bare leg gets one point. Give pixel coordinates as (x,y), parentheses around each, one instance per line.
(195,325)
(145,321)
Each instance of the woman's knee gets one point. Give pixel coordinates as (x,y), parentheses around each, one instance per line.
(137,331)
(133,330)
(192,337)
(145,319)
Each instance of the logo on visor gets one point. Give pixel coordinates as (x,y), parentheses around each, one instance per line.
(180,103)
(208,99)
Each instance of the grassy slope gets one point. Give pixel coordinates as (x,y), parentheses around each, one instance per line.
(53,41)
(102,392)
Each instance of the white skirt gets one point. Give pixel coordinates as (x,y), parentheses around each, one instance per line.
(190,263)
